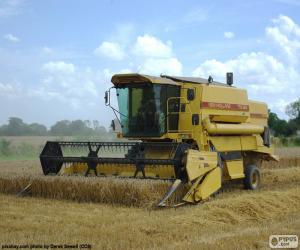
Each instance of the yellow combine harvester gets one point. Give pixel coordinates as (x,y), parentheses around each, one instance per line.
(193,131)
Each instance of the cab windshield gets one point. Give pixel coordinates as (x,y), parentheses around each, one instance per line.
(143,109)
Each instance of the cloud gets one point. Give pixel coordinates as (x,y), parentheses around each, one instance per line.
(257,69)
(287,25)
(9,90)
(155,66)
(59,67)
(147,55)
(11,38)
(65,83)
(150,46)
(285,34)
(47,50)
(280,104)
(10,7)
(266,77)
(228,34)
(155,57)
(111,50)
(57,95)
(63,78)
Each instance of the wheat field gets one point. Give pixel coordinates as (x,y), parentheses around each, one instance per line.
(110,213)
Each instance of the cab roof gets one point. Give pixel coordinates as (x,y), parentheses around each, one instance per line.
(119,79)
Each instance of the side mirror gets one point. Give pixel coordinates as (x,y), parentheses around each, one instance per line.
(106,98)
(113,125)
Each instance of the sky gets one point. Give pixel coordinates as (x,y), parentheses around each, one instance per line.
(57,56)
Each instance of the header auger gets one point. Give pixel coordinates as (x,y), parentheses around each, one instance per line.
(192,131)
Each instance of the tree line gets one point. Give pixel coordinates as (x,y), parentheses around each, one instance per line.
(282,128)
(16,127)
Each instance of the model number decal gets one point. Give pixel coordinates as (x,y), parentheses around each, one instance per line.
(224,106)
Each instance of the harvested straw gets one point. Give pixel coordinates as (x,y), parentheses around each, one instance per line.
(284,162)
(15,176)
(128,192)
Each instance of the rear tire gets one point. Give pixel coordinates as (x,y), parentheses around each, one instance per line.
(252,177)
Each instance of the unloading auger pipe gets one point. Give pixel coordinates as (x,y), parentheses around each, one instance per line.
(232,129)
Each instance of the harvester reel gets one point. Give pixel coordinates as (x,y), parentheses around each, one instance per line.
(92,160)
(140,166)
(51,149)
(143,157)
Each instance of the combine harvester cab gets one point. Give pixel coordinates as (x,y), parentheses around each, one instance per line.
(192,131)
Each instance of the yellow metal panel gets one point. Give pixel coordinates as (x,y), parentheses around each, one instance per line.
(210,184)
(258,113)
(268,151)
(199,162)
(234,143)
(220,102)
(125,170)
(226,143)
(235,169)
(249,142)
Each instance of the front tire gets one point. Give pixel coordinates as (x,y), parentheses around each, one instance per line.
(252,177)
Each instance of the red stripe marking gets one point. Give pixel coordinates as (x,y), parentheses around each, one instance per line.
(224,106)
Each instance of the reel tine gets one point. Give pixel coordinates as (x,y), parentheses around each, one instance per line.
(97,150)
(90,147)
